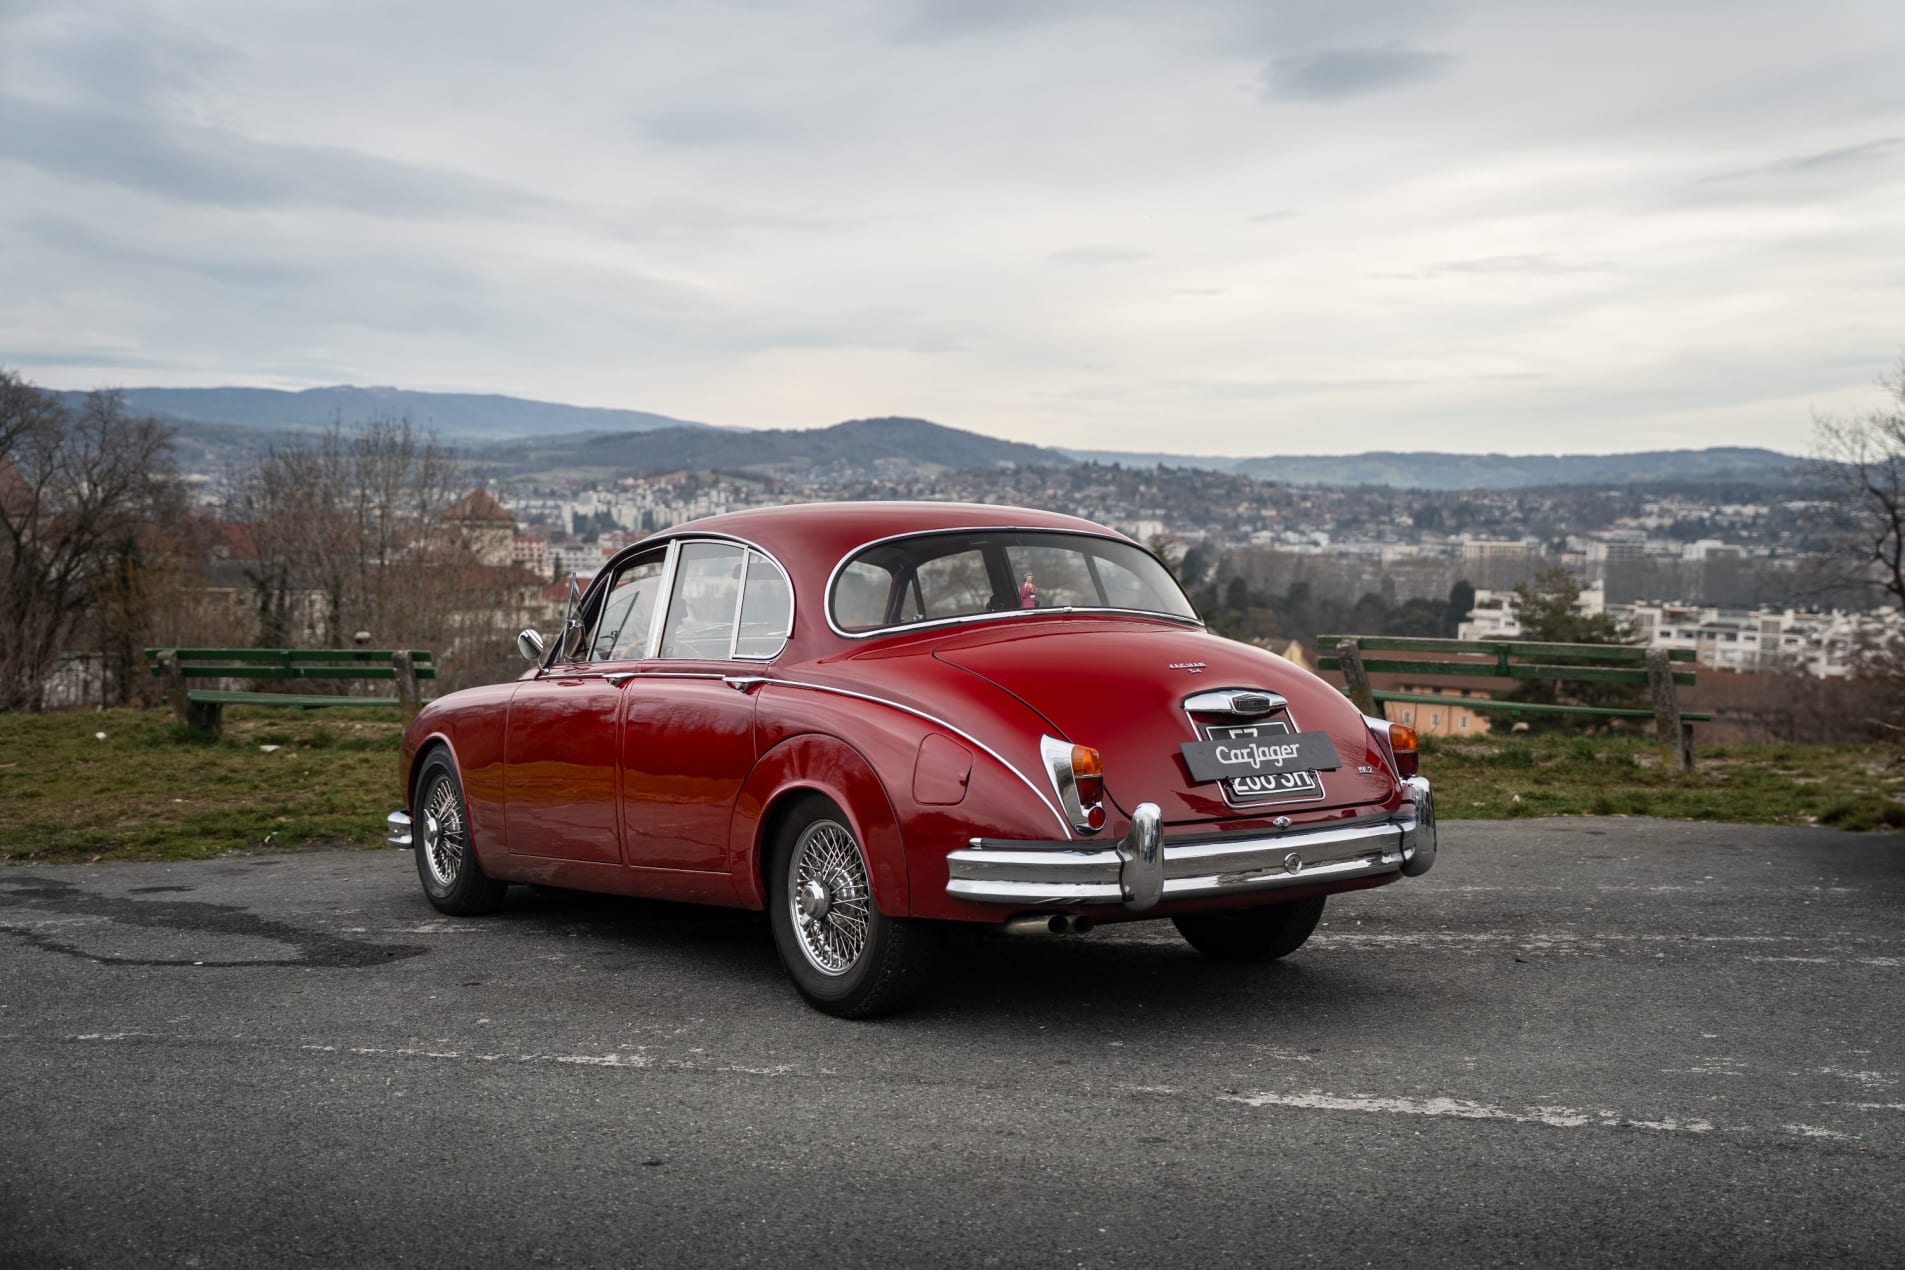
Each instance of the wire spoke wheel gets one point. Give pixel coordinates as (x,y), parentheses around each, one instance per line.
(445,837)
(829,898)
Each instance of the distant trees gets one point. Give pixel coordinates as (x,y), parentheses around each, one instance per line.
(1548,612)
(77,485)
(1231,605)
(339,521)
(367,528)
(1861,459)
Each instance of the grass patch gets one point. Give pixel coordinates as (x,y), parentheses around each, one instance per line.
(1497,778)
(152,790)
(149,790)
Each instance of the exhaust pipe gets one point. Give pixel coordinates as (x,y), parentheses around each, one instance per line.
(1052,924)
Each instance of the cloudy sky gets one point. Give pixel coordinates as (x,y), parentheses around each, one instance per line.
(1204,226)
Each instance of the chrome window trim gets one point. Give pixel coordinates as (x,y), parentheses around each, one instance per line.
(666,593)
(663,598)
(937,722)
(826,598)
(735,647)
(740,593)
(733,615)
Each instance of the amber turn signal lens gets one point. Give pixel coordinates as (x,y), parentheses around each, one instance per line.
(1402,740)
(1088,774)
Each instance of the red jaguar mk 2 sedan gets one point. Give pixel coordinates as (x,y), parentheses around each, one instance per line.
(872,719)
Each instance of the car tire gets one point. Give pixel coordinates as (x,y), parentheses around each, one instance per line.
(446,856)
(844,955)
(1252,934)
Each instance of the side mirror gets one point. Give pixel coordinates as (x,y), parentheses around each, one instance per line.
(530,645)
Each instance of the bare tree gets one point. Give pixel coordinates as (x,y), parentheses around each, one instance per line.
(349,520)
(1862,459)
(348,533)
(75,487)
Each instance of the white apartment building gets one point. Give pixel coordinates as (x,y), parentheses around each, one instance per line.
(1827,645)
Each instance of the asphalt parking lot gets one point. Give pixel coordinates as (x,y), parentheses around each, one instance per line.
(1575,1042)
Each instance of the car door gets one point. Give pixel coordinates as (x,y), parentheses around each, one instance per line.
(560,771)
(688,732)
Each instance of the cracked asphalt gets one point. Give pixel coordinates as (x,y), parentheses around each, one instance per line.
(1575,1042)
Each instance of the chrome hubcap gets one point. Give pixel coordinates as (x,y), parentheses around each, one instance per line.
(828,894)
(444,835)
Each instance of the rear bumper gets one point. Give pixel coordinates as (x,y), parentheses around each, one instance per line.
(1142,869)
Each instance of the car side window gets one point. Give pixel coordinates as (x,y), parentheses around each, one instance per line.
(627,612)
(767,610)
(701,608)
(617,629)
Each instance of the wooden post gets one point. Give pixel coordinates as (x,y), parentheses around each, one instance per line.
(1676,745)
(408,692)
(204,716)
(1355,678)
(174,680)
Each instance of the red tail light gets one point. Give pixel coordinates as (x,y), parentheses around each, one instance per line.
(1402,740)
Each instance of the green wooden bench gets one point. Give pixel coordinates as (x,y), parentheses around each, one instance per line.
(204,708)
(1662,670)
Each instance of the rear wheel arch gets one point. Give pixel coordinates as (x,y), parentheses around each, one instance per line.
(819,765)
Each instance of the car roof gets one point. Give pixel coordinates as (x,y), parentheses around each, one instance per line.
(814,536)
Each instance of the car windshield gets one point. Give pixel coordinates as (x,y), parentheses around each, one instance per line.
(970,573)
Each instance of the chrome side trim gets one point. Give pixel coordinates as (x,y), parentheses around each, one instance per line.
(397,829)
(1379,732)
(1088,530)
(937,722)
(1047,874)
(1057,755)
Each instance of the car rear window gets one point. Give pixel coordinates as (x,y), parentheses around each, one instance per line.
(966,574)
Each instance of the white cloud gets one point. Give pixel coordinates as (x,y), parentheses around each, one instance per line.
(1223,226)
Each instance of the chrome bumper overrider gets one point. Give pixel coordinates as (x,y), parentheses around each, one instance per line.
(1142,868)
(397,825)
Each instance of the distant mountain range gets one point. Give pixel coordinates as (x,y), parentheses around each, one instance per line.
(1442,471)
(866,443)
(516,436)
(457,416)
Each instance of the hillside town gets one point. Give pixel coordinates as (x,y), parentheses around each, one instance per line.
(1742,583)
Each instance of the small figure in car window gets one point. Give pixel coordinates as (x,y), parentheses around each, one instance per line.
(1028,593)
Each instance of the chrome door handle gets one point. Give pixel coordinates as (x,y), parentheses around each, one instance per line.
(743,683)
(618,678)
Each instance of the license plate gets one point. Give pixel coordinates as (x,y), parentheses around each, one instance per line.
(1262,762)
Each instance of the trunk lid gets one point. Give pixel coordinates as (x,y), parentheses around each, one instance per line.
(1121,686)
